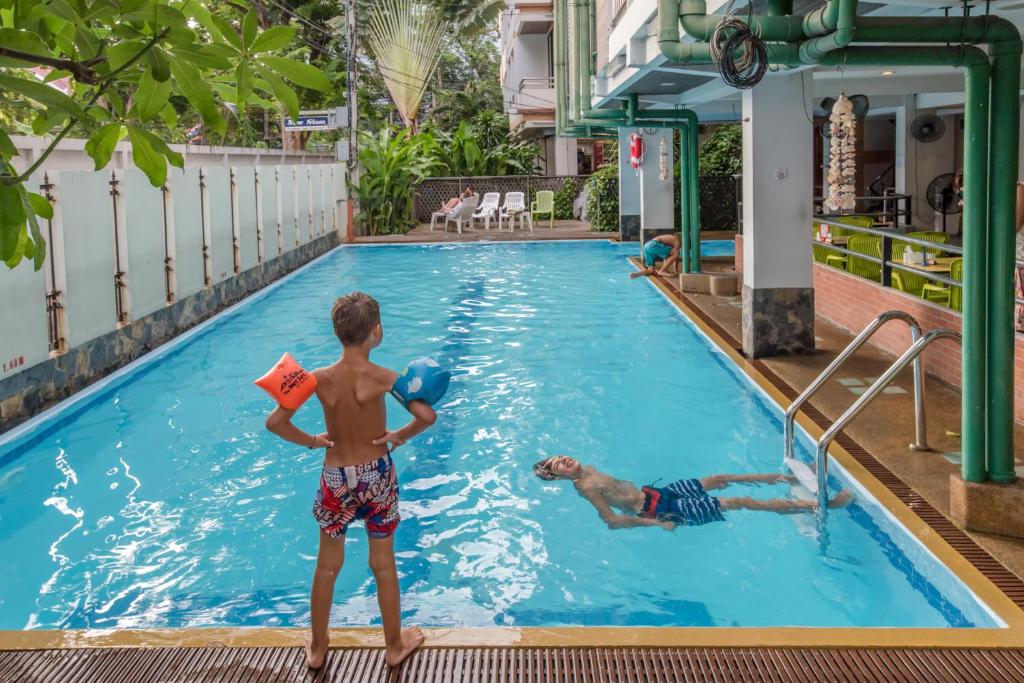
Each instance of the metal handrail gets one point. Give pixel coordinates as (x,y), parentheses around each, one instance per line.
(911,354)
(920,433)
(941,246)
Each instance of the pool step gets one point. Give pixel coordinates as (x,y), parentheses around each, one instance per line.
(717,284)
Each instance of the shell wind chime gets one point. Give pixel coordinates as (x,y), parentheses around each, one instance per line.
(663,170)
(842,167)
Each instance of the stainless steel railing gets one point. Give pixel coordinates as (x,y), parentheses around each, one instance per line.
(920,433)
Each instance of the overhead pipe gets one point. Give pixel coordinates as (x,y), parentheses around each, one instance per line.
(784,27)
(814,49)
(976,130)
(823,20)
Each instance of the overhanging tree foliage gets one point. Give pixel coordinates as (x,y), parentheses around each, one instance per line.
(120,62)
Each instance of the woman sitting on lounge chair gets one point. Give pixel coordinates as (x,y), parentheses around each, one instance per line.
(453,203)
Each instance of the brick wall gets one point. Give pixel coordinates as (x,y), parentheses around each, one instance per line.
(852,302)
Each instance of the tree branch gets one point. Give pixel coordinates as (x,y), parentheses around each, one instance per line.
(103,84)
(82,71)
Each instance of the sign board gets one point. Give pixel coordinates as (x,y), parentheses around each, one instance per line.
(323,119)
(341,150)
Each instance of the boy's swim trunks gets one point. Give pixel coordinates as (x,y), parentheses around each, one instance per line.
(684,502)
(655,251)
(368,492)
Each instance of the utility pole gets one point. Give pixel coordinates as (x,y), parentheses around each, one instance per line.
(351,76)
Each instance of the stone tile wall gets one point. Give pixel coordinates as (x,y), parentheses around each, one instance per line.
(32,390)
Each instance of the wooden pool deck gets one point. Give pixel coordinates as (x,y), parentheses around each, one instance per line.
(284,665)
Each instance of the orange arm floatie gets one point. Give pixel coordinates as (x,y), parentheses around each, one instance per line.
(287,383)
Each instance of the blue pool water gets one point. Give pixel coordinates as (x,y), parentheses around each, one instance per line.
(161,501)
(717,247)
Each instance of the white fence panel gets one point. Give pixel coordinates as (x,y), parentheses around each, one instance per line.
(144,225)
(89,254)
(272,228)
(248,230)
(316,175)
(286,181)
(25,343)
(218,202)
(302,203)
(188,231)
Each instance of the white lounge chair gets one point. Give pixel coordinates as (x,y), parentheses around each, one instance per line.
(488,208)
(462,214)
(514,208)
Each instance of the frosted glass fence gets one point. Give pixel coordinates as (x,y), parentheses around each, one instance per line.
(119,249)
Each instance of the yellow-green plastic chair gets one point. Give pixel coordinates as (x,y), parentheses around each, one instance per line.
(868,245)
(859,221)
(836,259)
(931,236)
(543,203)
(823,254)
(911,283)
(951,296)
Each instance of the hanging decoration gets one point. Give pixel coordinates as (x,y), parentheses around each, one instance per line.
(842,166)
(663,169)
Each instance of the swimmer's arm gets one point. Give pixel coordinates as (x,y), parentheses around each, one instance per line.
(423,416)
(279,422)
(672,258)
(609,517)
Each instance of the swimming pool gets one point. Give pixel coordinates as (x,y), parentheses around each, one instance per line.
(160,500)
(717,247)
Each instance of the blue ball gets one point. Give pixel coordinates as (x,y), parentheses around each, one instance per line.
(421,380)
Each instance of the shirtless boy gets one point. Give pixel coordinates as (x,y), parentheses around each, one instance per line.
(664,248)
(358,481)
(685,502)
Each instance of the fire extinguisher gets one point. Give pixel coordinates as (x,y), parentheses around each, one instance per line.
(636,151)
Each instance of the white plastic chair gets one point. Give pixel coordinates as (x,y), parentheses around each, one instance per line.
(488,209)
(513,208)
(462,214)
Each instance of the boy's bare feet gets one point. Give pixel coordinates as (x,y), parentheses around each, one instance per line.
(638,273)
(412,638)
(843,499)
(315,658)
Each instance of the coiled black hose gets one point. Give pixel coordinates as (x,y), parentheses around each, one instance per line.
(741,56)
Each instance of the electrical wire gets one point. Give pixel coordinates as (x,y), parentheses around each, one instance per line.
(741,56)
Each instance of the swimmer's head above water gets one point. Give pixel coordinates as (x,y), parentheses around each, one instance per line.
(557,467)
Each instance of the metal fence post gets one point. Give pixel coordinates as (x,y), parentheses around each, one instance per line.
(886,266)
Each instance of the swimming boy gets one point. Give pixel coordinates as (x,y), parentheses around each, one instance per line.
(685,502)
(664,248)
(358,481)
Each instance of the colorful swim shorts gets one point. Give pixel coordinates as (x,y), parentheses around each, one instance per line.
(683,502)
(368,492)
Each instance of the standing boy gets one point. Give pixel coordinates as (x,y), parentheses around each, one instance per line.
(358,481)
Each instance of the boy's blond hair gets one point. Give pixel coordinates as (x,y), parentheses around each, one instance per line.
(354,316)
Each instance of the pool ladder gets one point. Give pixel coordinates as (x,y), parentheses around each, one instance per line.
(817,483)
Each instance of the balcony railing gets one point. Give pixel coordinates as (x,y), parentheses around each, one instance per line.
(536,83)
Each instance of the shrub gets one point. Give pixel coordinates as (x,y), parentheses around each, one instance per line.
(393,162)
(603,198)
(564,197)
(722,153)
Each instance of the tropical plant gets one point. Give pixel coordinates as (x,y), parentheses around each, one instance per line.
(470,16)
(393,163)
(406,38)
(564,197)
(722,152)
(468,82)
(460,153)
(111,68)
(603,197)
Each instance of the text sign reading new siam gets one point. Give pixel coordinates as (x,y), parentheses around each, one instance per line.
(324,119)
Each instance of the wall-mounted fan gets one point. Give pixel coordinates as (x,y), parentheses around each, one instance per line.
(941,196)
(861,105)
(927,128)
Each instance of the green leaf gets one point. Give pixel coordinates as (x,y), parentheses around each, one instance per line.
(88,43)
(297,72)
(156,15)
(120,53)
(147,159)
(7,148)
(101,144)
(173,158)
(39,243)
(203,58)
(158,62)
(282,92)
(40,205)
(274,38)
(226,30)
(22,41)
(43,94)
(46,121)
(243,78)
(12,220)
(249,29)
(169,115)
(151,95)
(198,93)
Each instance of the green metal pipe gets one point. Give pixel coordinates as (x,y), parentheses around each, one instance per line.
(972,30)
(577,101)
(822,20)
(976,140)
(698,23)
(585,64)
(777,8)
(1004,126)
(560,66)
(813,50)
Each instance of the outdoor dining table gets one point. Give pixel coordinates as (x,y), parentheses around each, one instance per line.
(838,241)
(937,267)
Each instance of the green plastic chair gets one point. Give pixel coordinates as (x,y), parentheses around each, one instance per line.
(931,236)
(911,283)
(543,203)
(823,254)
(868,245)
(859,221)
(946,295)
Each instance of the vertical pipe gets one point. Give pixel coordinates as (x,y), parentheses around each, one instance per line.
(693,162)
(684,199)
(1002,172)
(974,373)
(577,103)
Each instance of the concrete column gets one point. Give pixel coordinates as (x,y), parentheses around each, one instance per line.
(657,205)
(629,191)
(565,156)
(778,151)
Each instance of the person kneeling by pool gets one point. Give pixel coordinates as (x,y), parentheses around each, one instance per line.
(684,502)
(664,248)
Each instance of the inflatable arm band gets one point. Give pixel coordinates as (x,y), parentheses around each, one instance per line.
(287,383)
(421,380)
